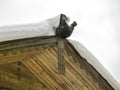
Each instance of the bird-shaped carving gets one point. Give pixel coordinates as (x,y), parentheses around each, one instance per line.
(64,30)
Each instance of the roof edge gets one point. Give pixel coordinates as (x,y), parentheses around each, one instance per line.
(94,63)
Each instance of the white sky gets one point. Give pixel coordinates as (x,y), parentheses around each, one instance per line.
(98,23)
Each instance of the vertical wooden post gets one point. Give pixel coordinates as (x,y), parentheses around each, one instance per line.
(61,60)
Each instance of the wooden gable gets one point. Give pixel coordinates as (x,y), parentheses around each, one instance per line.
(33,64)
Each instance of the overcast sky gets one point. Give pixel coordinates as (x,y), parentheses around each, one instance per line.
(98,23)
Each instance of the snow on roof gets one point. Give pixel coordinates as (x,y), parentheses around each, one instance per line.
(43,28)
(46,28)
(95,63)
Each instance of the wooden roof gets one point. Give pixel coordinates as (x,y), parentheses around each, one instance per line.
(32,64)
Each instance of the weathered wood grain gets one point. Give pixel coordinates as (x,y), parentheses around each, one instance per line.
(42,60)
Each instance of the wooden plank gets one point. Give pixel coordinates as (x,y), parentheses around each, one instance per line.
(61,61)
(10,57)
(39,72)
(14,69)
(28,49)
(40,60)
(70,77)
(62,80)
(10,80)
(26,43)
(14,58)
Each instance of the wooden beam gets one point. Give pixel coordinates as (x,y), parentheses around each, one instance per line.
(61,61)
(26,43)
